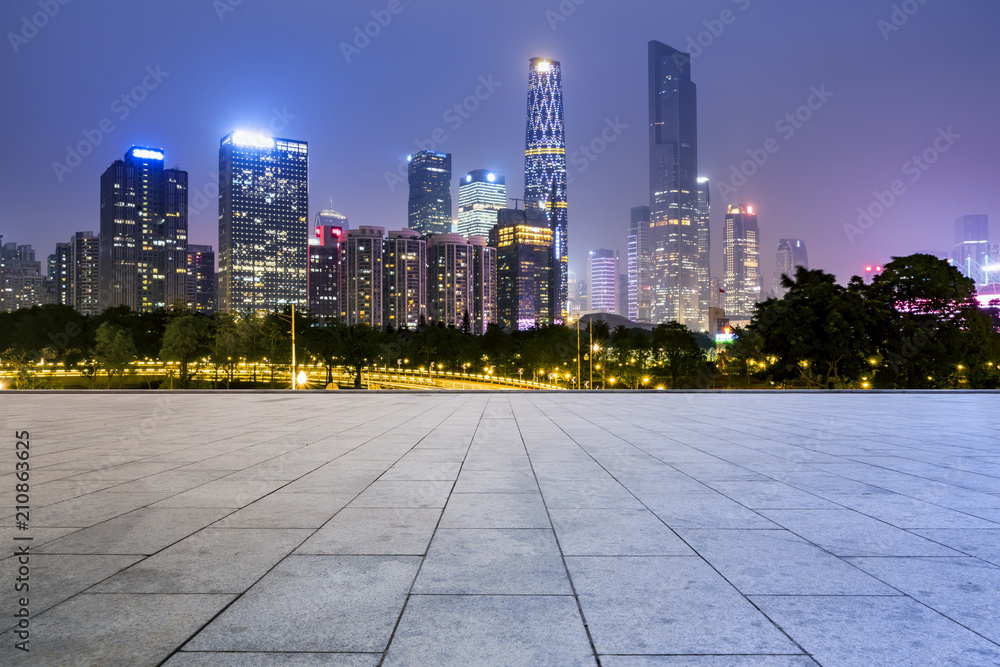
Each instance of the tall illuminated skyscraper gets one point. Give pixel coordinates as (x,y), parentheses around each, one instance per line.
(362,276)
(704,248)
(86,282)
(481,194)
(526,269)
(676,262)
(545,165)
(603,290)
(144,212)
(742,256)
(201,283)
(263,223)
(430,193)
(325,281)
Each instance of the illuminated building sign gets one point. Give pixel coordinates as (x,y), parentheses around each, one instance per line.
(144,154)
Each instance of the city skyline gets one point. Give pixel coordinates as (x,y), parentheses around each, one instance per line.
(351,165)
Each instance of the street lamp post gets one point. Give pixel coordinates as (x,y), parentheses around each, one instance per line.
(293,344)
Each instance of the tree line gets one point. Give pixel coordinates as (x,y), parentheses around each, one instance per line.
(917,325)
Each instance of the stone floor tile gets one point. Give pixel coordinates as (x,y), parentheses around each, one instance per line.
(615,532)
(375,531)
(495,510)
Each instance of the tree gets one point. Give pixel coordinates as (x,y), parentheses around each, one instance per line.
(359,346)
(225,345)
(931,325)
(817,333)
(677,351)
(325,343)
(114,350)
(185,340)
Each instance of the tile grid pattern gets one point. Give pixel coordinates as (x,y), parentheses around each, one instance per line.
(525,529)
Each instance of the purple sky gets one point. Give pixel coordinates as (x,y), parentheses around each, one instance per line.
(231,63)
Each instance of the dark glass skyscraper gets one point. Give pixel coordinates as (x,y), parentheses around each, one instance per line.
(263,223)
(325,272)
(545,165)
(676,263)
(791,253)
(526,270)
(144,211)
(430,193)
(201,283)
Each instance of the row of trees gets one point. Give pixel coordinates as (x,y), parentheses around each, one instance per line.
(917,325)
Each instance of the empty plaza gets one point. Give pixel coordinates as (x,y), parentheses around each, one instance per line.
(621,529)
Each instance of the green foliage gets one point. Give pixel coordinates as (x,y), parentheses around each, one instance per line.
(114,351)
(185,341)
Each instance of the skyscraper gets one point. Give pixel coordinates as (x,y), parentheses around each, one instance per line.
(61,273)
(201,283)
(545,166)
(742,256)
(972,240)
(325,279)
(263,223)
(704,247)
(430,193)
(24,285)
(404,279)
(450,265)
(331,218)
(144,212)
(481,194)
(362,276)
(484,285)
(640,290)
(791,254)
(527,293)
(603,265)
(86,285)
(675,253)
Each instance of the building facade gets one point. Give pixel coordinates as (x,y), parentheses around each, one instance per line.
(201,279)
(527,270)
(742,258)
(451,259)
(143,236)
(545,179)
(404,279)
(263,223)
(603,289)
(85,290)
(60,274)
(791,253)
(637,269)
(678,270)
(325,272)
(362,276)
(704,246)
(484,285)
(430,193)
(24,283)
(481,193)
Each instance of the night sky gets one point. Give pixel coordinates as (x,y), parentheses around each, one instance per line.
(254,64)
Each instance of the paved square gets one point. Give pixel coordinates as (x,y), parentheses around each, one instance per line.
(758,529)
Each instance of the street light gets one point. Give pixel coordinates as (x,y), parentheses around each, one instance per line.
(577,350)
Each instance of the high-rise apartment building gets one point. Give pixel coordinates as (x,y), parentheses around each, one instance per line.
(24,284)
(263,223)
(791,253)
(430,193)
(144,224)
(404,279)
(545,167)
(325,272)
(450,276)
(704,247)
(678,233)
(201,279)
(638,270)
(85,289)
(484,285)
(742,257)
(481,193)
(60,274)
(527,294)
(362,276)
(603,272)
